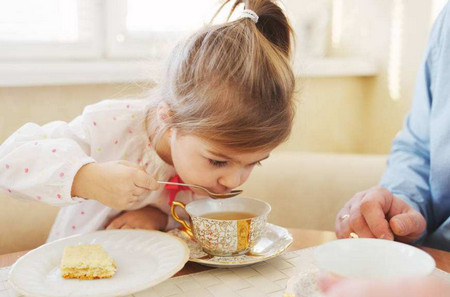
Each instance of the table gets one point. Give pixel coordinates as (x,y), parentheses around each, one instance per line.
(303,238)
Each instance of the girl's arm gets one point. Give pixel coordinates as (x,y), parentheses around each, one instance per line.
(40,162)
(52,164)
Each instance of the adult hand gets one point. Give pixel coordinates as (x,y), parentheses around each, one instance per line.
(376,213)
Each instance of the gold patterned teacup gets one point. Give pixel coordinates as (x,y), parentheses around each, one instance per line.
(224,237)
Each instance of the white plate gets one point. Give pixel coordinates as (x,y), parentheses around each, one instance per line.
(274,241)
(144,259)
(373,258)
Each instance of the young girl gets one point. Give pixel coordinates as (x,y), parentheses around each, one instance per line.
(226,103)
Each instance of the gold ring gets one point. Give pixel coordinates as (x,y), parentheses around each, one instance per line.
(353,235)
(344,217)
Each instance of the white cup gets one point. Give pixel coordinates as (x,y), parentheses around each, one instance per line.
(368,258)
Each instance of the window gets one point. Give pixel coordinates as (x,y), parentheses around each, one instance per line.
(32,29)
(78,29)
(150,28)
(104,41)
(92,41)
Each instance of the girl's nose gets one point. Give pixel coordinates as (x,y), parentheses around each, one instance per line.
(231,181)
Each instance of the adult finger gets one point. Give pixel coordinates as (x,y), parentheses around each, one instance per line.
(408,226)
(341,225)
(358,225)
(374,209)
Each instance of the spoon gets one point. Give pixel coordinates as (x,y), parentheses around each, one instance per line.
(210,194)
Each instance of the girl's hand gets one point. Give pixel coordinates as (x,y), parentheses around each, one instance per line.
(148,217)
(117,184)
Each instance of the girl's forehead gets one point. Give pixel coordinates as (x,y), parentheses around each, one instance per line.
(234,154)
(207,146)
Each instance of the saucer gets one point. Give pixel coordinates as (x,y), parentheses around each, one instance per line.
(274,241)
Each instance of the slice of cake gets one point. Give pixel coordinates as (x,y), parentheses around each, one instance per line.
(87,261)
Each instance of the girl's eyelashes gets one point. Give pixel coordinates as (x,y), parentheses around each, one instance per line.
(255,164)
(217,163)
(224,163)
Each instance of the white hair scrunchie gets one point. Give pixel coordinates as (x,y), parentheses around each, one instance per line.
(249,14)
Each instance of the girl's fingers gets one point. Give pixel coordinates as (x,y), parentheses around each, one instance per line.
(141,179)
(144,180)
(117,223)
(126,226)
(138,191)
(129,164)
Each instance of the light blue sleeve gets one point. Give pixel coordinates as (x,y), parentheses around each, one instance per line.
(408,171)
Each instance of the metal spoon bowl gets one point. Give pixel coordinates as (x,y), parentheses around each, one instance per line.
(210,194)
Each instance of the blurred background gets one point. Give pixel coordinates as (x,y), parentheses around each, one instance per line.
(356,61)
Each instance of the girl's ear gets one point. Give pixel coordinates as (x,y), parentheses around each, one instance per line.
(163,113)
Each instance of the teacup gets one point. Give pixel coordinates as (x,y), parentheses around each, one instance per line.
(224,237)
(368,258)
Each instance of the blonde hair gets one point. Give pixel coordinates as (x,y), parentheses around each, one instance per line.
(232,84)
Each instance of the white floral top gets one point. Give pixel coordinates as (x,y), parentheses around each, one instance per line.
(40,162)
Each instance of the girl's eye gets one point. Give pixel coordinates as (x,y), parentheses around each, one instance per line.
(217,163)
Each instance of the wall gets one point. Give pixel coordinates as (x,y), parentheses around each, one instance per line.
(330,115)
(43,104)
(384,115)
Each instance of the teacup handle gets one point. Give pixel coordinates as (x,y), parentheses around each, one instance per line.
(180,220)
